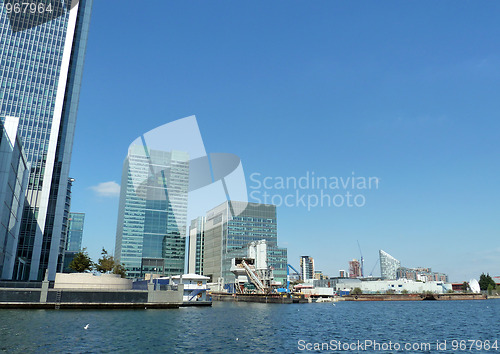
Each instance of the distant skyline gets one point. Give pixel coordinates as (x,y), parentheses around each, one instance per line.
(405,92)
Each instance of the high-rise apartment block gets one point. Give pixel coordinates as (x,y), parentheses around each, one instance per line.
(388,265)
(41,67)
(354,269)
(307,267)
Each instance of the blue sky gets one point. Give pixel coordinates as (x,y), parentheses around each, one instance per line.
(405,91)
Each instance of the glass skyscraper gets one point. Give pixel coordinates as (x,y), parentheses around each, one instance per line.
(388,265)
(230,227)
(40,75)
(14,175)
(75,232)
(151,230)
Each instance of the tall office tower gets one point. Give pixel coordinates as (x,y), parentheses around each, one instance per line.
(14,173)
(40,76)
(354,269)
(75,232)
(151,230)
(230,227)
(196,243)
(74,236)
(307,267)
(388,265)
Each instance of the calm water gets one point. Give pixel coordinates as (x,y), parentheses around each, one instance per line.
(240,327)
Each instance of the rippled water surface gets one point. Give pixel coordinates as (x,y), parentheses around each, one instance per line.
(236,327)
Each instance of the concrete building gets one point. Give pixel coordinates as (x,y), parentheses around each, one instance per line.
(229,228)
(41,71)
(307,267)
(151,230)
(91,281)
(388,265)
(14,173)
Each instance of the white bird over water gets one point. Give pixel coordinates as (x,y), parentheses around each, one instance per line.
(87,326)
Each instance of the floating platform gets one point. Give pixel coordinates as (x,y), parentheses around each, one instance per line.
(262,298)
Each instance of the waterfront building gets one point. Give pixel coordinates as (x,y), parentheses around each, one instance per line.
(343,273)
(41,70)
(354,269)
(14,173)
(196,243)
(375,286)
(151,230)
(388,265)
(307,267)
(229,228)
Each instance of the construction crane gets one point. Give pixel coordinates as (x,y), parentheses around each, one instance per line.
(374,267)
(362,260)
(288,266)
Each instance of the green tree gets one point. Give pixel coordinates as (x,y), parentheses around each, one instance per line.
(485,280)
(120,270)
(106,263)
(81,262)
(356,291)
(490,289)
(404,291)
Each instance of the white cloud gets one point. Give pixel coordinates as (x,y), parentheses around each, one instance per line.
(107,189)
